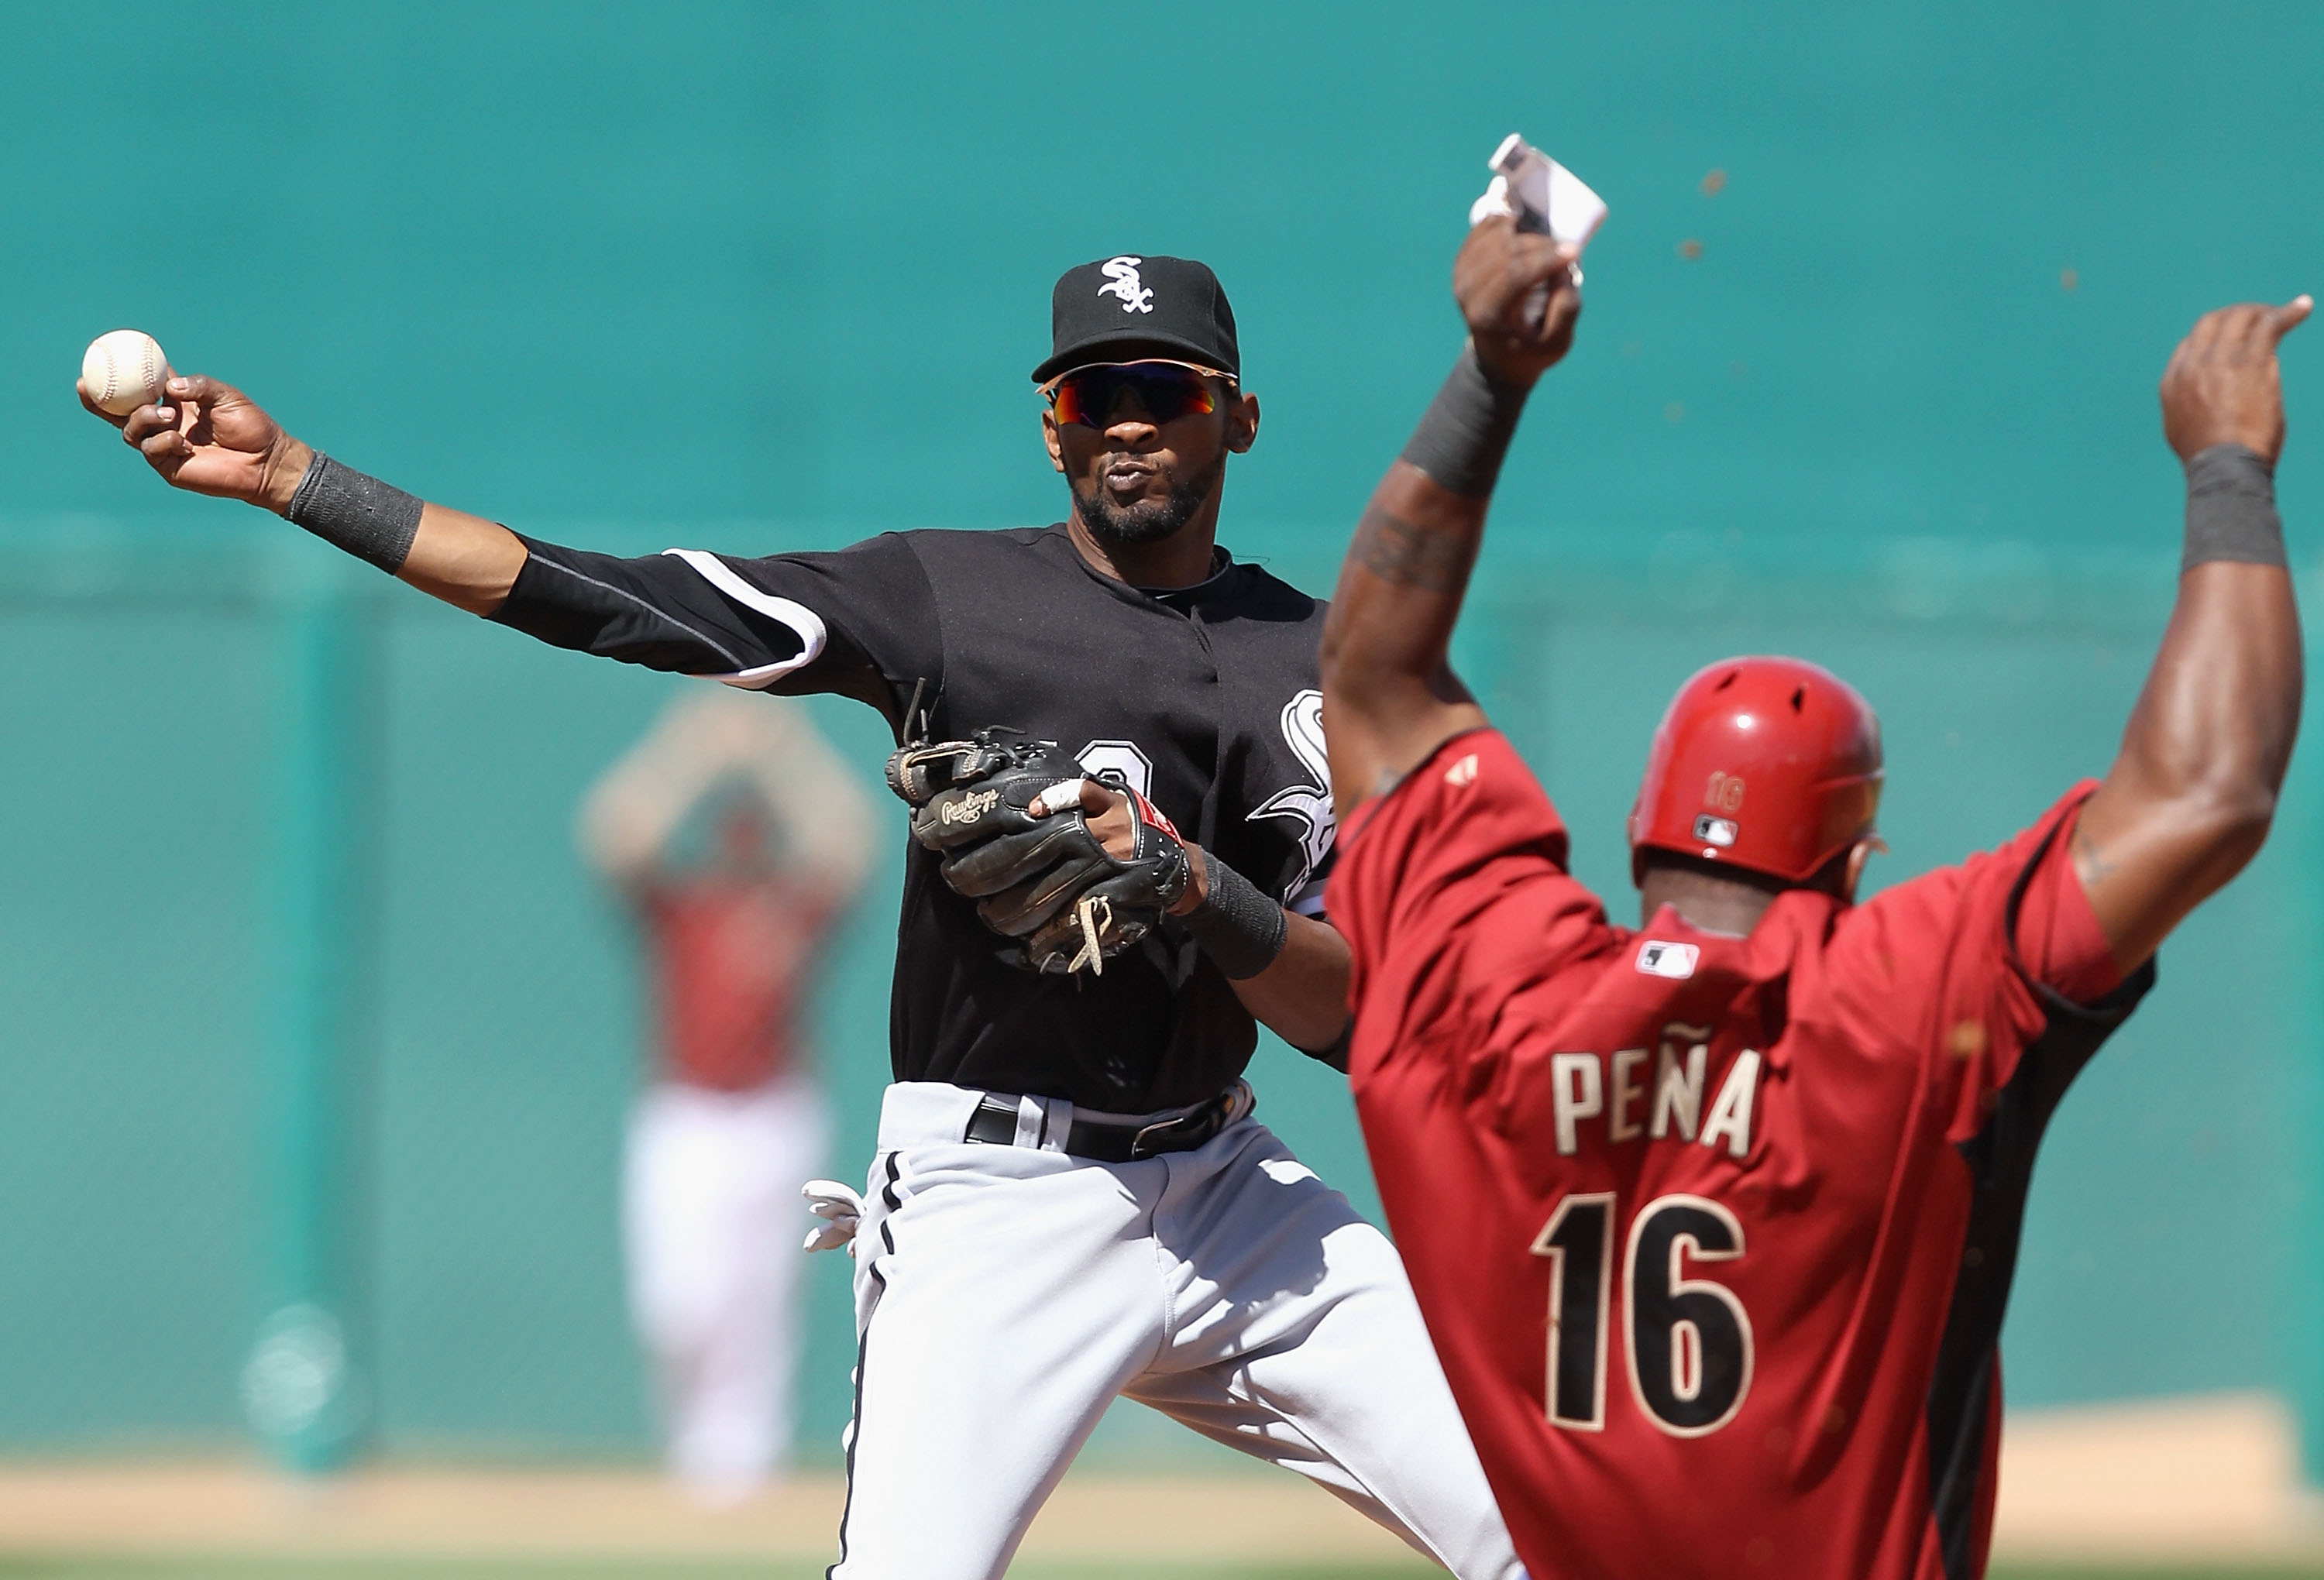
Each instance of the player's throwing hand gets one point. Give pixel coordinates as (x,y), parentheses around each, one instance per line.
(2223,386)
(210,438)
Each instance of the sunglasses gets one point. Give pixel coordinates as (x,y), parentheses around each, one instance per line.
(1163,390)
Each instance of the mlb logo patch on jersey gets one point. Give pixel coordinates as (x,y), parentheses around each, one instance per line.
(1674,961)
(1463,772)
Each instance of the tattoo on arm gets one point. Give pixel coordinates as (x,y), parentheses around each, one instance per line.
(2094,860)
(1404,553)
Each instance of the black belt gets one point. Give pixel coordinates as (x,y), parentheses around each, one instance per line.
(994,1122)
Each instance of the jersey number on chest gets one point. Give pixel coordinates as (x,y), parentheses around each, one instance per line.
(1686,1341)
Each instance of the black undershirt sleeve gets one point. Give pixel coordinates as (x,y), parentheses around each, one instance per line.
(654,610)
(859,622)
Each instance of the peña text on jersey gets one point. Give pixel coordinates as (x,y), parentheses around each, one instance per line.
(1616,1089)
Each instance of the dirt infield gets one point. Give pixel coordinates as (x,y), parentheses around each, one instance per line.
(192,1508)
(2209,1477)
(2203,1479)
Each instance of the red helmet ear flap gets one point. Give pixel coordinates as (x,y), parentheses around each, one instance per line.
(1772,765)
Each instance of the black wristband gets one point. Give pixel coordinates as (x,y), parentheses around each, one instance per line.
(1466,429)
(2231,510)
(371,520)
(1240,929)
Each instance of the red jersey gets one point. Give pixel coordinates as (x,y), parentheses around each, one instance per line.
(729,960)
(1713,1233)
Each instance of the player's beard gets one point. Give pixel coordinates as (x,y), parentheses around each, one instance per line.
(1147,520)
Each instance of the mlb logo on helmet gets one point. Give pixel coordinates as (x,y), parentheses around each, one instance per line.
(1805,740)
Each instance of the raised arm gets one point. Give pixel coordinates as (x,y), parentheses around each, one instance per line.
(632,813)
(685,611)
(1389,697)
(210,438)
(2190,795)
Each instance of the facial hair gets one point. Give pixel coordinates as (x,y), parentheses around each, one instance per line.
(1147,520)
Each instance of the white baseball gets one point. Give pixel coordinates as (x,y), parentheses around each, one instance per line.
(122,370)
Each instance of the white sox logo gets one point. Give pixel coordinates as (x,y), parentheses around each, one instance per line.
(1307,806)
(1122,272)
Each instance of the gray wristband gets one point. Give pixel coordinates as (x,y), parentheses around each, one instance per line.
(2231,510)
(1466,429)
(1240,929)
(371,520)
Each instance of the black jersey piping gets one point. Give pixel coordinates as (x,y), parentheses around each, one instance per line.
(1222,564)
(2000,1159)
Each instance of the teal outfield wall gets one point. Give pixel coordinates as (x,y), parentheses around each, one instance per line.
(758,277)
(142,1087)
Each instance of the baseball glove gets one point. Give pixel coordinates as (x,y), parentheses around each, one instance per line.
(1006,815)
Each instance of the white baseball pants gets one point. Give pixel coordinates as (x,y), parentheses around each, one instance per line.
(710,1210)
(1006,1294)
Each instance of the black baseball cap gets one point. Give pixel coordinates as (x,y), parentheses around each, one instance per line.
(1173,303)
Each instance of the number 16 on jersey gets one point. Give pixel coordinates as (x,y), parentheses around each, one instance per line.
(1686,1341)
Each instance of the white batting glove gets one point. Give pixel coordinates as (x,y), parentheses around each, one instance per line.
(841,1210)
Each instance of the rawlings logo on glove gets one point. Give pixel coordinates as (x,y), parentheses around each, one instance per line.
(1013,821)
(969,807)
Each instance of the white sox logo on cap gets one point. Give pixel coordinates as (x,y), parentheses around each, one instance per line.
(1121,274)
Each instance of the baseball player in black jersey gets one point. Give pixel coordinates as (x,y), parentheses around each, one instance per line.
(1070,1200)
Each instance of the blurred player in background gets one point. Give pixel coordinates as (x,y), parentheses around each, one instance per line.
(705,826)
(1738,1193)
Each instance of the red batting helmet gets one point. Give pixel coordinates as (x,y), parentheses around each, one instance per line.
(1772,765)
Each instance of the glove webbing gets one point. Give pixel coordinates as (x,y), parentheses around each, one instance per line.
(1095,914)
